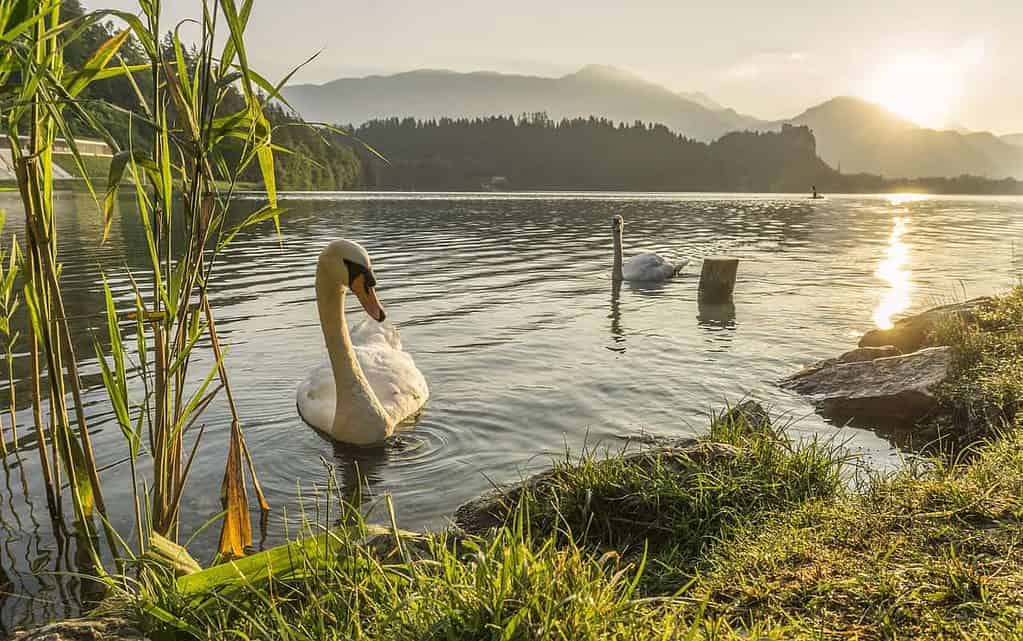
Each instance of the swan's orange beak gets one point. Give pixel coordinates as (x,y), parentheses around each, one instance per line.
(367,295)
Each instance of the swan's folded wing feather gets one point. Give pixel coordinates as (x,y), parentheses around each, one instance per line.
(316,398)
(396,381)
(647,266)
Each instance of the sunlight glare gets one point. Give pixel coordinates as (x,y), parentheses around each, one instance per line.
(919,87)
(898,200)
(892,271)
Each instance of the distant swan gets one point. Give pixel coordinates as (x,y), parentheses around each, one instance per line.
(642,267)
(370,384)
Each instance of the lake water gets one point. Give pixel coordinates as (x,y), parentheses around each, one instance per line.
(505,302)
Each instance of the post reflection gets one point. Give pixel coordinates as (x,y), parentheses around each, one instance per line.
(892,270)
(716,315)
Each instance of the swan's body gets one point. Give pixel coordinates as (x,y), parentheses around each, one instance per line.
(371,385)
(647,266)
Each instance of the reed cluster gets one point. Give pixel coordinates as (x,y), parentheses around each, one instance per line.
(197,125)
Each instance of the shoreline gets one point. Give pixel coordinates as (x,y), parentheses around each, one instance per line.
(78,185)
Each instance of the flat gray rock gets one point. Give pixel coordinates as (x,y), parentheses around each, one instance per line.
(857,355)
(895,388)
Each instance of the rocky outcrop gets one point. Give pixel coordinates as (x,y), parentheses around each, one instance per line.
(911,333)
(893,389)
(98,629)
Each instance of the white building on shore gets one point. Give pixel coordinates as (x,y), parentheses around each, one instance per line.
(85,146)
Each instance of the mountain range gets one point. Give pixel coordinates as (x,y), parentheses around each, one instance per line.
(852,134)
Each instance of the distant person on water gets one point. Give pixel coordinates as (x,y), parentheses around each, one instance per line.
(815,194)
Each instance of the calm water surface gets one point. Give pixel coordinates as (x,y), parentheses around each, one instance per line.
(506,304)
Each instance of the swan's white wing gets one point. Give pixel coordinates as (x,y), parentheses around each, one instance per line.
(650,266)
(316,398)
(393,376)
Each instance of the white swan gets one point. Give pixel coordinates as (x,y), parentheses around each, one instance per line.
(370,384)
(642,267)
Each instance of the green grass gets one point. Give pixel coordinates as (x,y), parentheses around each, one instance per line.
(921,555)
(677,503)
(985,392)
(781,552)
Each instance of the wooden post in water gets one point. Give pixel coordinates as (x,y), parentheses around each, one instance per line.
(717,279)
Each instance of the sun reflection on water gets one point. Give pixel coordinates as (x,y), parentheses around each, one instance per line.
(892,271)
(903,198)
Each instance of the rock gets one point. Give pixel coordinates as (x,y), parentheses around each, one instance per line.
(492,509)
(911,333)
(857,355)
(97,629)
(756,417)
(895,388)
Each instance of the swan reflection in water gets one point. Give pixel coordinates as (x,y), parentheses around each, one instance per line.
(617,335)
(354,470)
(653,289)
(892,270)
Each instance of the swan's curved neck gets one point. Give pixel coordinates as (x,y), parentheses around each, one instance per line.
(616,269)
(358,415)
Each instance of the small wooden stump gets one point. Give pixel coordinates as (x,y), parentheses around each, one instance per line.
(717,279)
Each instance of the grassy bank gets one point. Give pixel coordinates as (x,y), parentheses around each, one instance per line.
(985,392)
(744,535)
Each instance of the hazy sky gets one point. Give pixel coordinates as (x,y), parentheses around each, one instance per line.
(940,62)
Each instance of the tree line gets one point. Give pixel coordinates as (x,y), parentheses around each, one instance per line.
(533,151)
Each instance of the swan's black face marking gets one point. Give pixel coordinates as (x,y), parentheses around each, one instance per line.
(362,282)
(617,222)
(358,269)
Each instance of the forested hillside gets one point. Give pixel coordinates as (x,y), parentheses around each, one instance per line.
(317,159)
(536,152)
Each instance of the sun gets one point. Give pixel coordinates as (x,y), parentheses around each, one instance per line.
(920,87)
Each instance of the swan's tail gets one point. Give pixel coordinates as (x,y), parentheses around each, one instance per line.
(680,265)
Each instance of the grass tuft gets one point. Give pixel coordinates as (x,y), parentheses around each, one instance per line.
(675,502)
(984,394)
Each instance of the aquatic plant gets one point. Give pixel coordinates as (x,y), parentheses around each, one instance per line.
(38,92)
(190,124)
(202,115)
(9,264)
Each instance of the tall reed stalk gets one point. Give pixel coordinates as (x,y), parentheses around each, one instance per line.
(205,112)
(37,91)
(8,306)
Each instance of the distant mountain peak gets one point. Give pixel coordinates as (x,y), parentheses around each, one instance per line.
(861,136)
(594,90)
(607,74)
(703,100)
